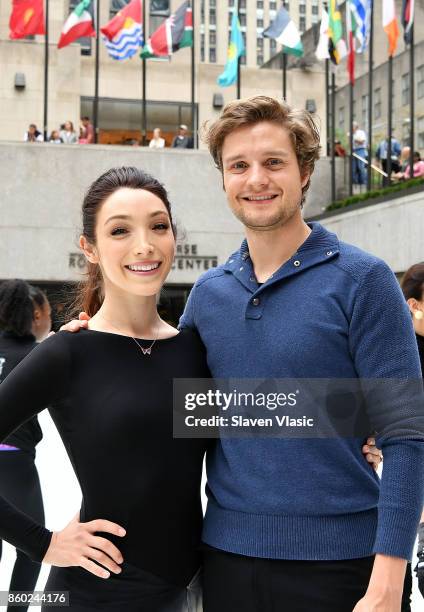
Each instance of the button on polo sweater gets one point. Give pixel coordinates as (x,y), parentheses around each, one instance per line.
(330,311)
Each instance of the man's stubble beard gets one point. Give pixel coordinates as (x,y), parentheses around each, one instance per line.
(279,219)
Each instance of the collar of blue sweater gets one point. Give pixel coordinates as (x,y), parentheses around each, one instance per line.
(321,245)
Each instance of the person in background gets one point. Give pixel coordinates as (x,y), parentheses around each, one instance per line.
(68,134)
(418,167)
(339,150)
(181,140)
(24,321)
(157,142)
(33,135)
(413,290)
(404,163)
(360,148)
(55,137)
(381,155)
(86,131)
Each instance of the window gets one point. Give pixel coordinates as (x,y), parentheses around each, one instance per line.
(273,6)
(212,55)
(342,118)
(159,8)
(230,3)
(242,4)
(405,135)
(302,9)
(420,81)
(273,46)
(202,11)
(212,16)
(260,4)
(405,89)
(259,59)
(420,129)
(377,103)
(302,24)
(114,7)
(242,19)
(259,23)
(364,110)
(202,47)
(212,38)
(260,42)
(212,3)
(315,10)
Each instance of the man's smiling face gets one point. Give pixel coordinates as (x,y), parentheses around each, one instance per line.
(261,175)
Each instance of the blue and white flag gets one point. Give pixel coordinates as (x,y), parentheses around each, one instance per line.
(361,11)
(127,41)
(235,50)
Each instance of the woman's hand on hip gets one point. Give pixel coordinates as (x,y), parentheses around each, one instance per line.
(78,545)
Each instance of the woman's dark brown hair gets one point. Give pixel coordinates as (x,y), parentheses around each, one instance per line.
(18,299)
(90,292)
(413,282)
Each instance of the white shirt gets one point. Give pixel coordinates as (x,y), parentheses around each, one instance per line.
(157,143)
(360,139)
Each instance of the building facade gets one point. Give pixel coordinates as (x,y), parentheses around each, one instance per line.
(168,90)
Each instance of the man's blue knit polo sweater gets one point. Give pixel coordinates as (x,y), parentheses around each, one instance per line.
(331,311)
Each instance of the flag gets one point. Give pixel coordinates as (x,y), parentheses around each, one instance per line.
(322,48)
(123,35)
(26,19)
(115,25)
(350,29)
(336,44)
(390,24)
(407,19)
(361,11)
(284,31)
(78,24)
(173,34)
(235,50)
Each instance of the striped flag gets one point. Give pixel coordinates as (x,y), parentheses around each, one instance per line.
(361,12)
(123,34)
(390,24)
(78,24)
(407,19)
(336,44)
(175,33)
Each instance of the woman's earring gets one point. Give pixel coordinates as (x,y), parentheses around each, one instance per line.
(418,314)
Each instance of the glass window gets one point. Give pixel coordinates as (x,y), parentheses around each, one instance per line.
(273,45)
(212,38)
(242,19)
(377,103)
(202,47)
(273,6)
(259,23)
(231,3)
(405,135)
(259,59)
(302,24)
(259,4)
(212,55)
(242,4)
(114,7)
(212,16)
(364,110)
(420,81)
(212,3)
(260,42)
(160,8)
(315,10)
(405,89)
(302,9)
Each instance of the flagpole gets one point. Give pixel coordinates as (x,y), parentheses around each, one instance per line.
(143,85)
(284,69)
(370,99)
(333,136)
(412,101)
(96,76)
(193,89)
(46,73)
(327,104)
(238,64)
(389,120)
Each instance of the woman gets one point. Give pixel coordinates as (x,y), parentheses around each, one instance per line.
(24,321)
(68,134)
(109,389)
(110,392)
(55,137)
(413,290)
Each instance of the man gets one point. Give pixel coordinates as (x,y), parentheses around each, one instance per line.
(381,155)
(33,135)
(360,148)
(285,528)
(87,131)
(181,140)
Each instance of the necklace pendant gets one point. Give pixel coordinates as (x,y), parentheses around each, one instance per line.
(146,351)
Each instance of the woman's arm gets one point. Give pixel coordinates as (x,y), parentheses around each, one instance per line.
(42,379)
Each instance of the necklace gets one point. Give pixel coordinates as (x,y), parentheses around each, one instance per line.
(145,351)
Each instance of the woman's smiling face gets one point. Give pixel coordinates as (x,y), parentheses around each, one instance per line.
(135,243)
